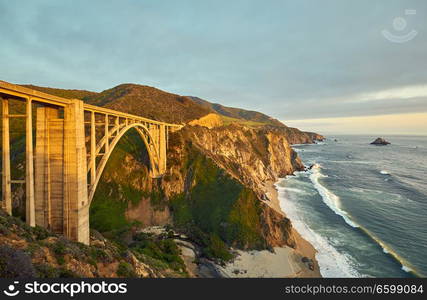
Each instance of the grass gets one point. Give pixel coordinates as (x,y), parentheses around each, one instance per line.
(125,270)
(229,120)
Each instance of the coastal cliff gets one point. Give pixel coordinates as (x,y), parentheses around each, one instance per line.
(228,169)
(218,191)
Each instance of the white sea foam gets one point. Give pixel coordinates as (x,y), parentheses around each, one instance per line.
(329,198)
(359,162)
(294,190)
(331,262)
(406,269)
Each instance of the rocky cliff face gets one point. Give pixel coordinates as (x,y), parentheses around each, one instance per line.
(296,136)
(254,158)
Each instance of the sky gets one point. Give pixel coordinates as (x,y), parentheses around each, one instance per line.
(329,66)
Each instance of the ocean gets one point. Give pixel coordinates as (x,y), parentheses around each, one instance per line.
(363,207)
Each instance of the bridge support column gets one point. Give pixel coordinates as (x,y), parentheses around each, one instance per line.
(29,166)
(49,169)
(162,148)
(61,184)
(6,188)
(76,204)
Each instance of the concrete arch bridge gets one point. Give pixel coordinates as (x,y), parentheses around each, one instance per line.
(67,146)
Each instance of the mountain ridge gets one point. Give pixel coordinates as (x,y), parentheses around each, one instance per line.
(156,104)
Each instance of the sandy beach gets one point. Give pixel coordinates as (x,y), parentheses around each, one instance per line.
(284,262)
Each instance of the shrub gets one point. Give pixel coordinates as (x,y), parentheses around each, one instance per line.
(4,230)
(165,250)
(65,273)
(46,271)
(217,249)
(125,270)
(99,254)
(59,248)
(40,233)
(60,260)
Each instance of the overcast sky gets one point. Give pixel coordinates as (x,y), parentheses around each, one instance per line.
(294,60)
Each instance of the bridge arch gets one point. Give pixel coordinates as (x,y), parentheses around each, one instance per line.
(147,138)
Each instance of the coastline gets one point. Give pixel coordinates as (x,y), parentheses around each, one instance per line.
(303,247)
(284,262)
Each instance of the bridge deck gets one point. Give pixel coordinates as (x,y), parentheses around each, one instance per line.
(23,92)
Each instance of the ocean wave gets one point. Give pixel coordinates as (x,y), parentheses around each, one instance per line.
(331,262)
(388,250)
(333,202)
(294,190)
(359,162)
(327,255)
(329,198)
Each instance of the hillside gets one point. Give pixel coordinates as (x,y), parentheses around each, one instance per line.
(238,113)
(150,102)
(36,252)
(64,93)
(139,100)
(159,105)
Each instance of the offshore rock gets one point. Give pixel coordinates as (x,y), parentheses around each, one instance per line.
(380,142)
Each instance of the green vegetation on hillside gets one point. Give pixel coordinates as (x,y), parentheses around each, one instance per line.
(162,248)
(217,210)
(36,252)
(229,120)
(112,197)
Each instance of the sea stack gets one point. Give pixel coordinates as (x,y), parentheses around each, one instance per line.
(380,142)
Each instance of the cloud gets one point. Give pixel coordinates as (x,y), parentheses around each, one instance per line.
(393,124)
(289,59)
(407,92)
